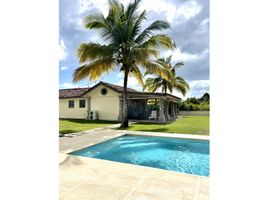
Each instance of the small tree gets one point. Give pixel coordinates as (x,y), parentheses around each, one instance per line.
(205,97)
(166,84)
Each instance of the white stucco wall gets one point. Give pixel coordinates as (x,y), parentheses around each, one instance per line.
(107,106)
(76,112)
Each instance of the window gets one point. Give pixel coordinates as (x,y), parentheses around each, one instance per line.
(104,91)
(71,103)
(82,103)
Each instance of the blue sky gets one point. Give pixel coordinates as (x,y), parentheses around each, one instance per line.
(190,29)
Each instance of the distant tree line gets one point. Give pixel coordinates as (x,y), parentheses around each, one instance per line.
(195,104)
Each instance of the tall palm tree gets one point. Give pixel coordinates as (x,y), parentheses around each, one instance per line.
(127,46)
(159,82)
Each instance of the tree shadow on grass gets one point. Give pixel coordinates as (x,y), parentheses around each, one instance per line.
(67,131)
(163,129)
(155,130)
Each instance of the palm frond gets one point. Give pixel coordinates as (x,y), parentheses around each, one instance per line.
(181,80)
(94,70)
(154,88)
(137,25)
(158,41)
(135,72)
(148,73)
(132,8)
(151,85)
(168,59)
(91,51)
(169,86)
(179,64)
(156,68)
(96,21)
(163,64)
(167,82)
(181,85)
(155,26)
(113,3)
(143,54)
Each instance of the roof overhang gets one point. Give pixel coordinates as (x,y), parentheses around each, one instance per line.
(132,94)
(153,96)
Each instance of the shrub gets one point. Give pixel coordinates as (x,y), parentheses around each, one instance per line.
(195,104)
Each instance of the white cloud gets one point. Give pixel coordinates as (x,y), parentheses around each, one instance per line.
(188,10)
(205,21)
(62,50)
(120,75)
(64,68)
(67,85)
(101,5)
(178,55)
(199,83)
(160,6)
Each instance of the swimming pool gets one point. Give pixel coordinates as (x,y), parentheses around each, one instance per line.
(181,155)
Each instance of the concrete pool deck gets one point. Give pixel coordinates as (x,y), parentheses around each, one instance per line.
(84,178)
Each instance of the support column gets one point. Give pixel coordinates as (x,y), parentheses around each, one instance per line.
(175,109)
(172,110)
(120,109)
(167,105)
(161,117)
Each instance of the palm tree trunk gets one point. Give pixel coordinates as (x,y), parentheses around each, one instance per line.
(124,119)
(165,87)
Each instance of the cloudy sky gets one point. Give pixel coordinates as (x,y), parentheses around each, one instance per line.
(190,29)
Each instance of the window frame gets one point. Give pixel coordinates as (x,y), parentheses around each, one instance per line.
(69,105)
(80,103)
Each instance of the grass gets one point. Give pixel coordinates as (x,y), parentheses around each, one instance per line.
(198,125)
(77,125)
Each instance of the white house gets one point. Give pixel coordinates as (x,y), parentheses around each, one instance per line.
(104,101)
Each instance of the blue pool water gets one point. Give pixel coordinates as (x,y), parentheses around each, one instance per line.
(181,155)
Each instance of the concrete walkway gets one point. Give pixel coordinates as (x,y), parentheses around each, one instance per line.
(84,178)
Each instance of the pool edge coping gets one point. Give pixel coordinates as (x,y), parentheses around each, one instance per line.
(121,133)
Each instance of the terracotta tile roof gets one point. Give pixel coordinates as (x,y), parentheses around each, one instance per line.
(74,92)
(78,92)
(118,88)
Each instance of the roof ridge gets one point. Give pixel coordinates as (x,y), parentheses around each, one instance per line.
(74,88)
(117,85)
(77,92)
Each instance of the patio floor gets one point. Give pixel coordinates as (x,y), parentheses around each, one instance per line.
(88,178)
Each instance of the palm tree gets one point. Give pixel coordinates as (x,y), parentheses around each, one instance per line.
(127,46)
(159,82)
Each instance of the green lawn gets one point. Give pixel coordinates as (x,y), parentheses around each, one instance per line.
(77,125)
(198,125)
